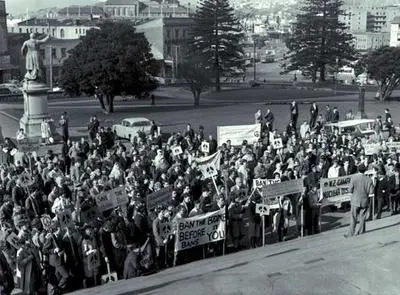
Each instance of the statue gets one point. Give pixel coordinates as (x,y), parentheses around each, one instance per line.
(34,63)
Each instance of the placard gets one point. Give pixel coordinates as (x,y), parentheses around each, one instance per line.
(166,229)
(259,183)
(289,187)
(238,133)
(46,221)
(161,197)
(209,171)
(205,147)
(13,240)
(336,190)
(277,143)
(393,147)
(65,218)
(262,209)
(113,198)
(93,260)
(200,230)
(176,150)
(371,148)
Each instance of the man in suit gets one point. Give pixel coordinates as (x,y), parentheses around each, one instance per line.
(313,114)
(361,187)
(335,115)
(18,193)
(294,113)
(381,191)
(394,190)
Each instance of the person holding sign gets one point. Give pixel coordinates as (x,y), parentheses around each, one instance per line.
(361,187)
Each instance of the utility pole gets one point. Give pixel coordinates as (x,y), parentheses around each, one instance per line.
(254,59)
(176,60)
(51,68)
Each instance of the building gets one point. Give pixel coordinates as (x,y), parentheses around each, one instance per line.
(395,32)
(169,38)
(61,29)
(81,12)
(145,9)
(6,68)
(370,41)
(122,9)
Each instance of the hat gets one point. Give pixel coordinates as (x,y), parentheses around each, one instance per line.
(362,168)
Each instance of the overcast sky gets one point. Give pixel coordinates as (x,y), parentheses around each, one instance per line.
(20,6)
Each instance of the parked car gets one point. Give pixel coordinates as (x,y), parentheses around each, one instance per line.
(130,127)
(14,89)
(5,91)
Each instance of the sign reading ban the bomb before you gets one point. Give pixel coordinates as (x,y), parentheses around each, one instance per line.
(238,133)
(110,199)
(200,230)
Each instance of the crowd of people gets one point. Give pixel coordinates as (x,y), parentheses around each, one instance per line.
(40,256)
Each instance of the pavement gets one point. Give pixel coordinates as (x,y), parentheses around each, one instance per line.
(326,263)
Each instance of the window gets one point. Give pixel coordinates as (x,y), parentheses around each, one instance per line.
(20,30)
(36,30)
(168,34)
(76,31)
(176,33)
(54,52)
(63,52)
(42,30)
(53,32)
(31,30)
(62,34)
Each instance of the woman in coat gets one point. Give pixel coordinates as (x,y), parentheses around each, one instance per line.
(91,257)
(28,262)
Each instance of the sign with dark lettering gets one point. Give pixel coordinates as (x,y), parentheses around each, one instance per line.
(284,188)
(336,190)
(200,230)
(259,183)
(161,197)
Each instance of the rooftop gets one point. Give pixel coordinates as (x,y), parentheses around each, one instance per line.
(121,2)
(396,20)
(81,10)
(42,22)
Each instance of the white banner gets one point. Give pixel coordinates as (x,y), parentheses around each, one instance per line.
(200,230)
(335,190)
(210,165)
(113,198)
(372,148)
(236,134)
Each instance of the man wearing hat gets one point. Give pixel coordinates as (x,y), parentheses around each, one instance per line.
(361,187)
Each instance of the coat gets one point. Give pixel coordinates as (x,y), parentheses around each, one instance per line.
(29,265)
(361,186)
(132,266)
(6,276)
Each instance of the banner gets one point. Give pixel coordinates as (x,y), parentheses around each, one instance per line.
(259,183)
(161,197)
(113,198)
(200,230)
(289,187)
(210,165)
(236,134)
(336,190)
(371,148)
(393,147)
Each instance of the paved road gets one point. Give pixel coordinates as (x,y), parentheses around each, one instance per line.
(322,264)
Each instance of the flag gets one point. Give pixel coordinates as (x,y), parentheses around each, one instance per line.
(210,165)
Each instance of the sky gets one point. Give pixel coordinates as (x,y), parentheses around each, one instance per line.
(20,6)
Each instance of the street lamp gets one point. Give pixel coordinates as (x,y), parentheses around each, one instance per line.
(362,82)
(336,75)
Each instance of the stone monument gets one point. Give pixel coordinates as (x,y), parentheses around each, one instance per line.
(35,89)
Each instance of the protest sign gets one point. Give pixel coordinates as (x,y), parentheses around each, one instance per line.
(166,229)
(46,221)
(259,183)
(210,165)
(262,209)
(393,147)
(113,198)
(335,190)
(13,240)
(283,188)
(238,133)
(93,260)
(205,147)
(277,143)
(65,219)
(371,148)
(176,150)
(161,197)
(200,230)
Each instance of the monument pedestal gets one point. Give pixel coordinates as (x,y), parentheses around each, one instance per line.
(35,109)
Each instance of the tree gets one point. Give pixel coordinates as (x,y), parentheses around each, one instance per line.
(384,66)
(216,35)
(197,74)
(110,61)
(319,40)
